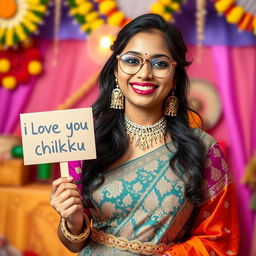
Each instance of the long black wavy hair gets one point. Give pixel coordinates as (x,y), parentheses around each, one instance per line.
(110,132)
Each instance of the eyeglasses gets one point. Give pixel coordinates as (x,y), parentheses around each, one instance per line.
(159,66)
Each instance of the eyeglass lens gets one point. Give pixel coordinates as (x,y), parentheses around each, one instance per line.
(131,64)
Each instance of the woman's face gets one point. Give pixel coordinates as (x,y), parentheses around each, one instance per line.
(143,89)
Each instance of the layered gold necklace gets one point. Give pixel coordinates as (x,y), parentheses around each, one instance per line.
(145,135)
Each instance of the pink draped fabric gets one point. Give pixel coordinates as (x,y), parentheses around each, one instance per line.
(12,102)
(205,69)
(235,69)
(73,69)
(232,71)
(53,87)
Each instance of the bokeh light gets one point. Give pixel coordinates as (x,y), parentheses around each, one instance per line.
(99,42)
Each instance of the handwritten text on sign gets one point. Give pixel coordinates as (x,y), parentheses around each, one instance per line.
(58,136)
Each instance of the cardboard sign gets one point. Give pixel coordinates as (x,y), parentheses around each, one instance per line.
(58,136)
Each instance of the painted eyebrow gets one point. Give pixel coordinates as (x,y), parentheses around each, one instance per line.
(153,56)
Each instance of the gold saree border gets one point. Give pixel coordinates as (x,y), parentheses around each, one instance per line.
(123,244)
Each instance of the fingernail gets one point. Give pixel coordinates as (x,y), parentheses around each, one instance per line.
(70,178)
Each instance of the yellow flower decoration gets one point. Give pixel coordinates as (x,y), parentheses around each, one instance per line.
(35,67)
(5,65)
(166,8)
(242,14)
(92,14)
(114,16)
(85,14)
(19,18)
(9,82)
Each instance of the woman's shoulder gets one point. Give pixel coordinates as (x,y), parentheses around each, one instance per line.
(208,140)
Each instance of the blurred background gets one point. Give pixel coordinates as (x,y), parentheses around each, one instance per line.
(50,55)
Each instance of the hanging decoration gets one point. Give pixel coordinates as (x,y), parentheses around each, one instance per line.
(92,14)
(240,12)
(113,16)
(17,66)
(85,13)
(200,25)
(57,20)
(166,8)
(20,18)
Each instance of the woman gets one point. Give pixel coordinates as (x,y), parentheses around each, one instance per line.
(157,187)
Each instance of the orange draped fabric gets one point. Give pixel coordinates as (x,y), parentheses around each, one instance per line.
(216,229)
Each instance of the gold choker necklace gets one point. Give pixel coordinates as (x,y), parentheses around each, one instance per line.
(144,135)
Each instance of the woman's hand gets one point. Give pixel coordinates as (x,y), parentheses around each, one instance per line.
(66,199)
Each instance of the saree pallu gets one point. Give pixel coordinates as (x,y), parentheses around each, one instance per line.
(216,230)
(143,200)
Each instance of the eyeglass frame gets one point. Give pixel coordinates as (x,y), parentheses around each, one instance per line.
(173,62)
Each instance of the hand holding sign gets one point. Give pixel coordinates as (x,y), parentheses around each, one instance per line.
(58,136)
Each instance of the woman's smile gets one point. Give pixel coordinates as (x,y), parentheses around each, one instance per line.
(143,88)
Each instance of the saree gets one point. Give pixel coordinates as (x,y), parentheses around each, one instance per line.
(143,202)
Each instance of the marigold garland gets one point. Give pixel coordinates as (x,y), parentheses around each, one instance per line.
(237,12)
(113,16)
(166,8)
(17,66)
(92,14)
(19,18)
(85,14)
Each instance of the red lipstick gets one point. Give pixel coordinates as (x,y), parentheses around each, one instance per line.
(143,88)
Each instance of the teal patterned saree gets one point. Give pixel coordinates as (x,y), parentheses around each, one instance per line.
(140,200)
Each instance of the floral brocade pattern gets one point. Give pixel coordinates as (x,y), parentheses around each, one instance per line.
(138,198)
(217,174)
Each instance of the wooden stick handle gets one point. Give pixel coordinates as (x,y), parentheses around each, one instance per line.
(64,171)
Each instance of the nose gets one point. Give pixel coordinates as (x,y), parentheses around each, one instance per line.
(145,71)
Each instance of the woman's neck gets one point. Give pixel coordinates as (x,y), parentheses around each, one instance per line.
(144,116)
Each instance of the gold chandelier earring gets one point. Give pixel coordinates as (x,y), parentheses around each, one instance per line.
(117,98)
(171,105)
